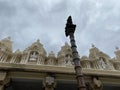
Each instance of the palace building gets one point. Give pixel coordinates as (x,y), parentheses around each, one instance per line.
(33,69)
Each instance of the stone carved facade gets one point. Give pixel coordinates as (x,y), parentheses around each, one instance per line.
(97,60)
(36,55)
(34,58)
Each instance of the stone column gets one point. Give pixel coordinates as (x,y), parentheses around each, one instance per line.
(96,84)
(3,80)
(49,83)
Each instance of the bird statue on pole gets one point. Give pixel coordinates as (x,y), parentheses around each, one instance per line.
(69,31)
(70,27)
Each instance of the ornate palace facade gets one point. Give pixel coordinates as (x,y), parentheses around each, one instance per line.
(32,69)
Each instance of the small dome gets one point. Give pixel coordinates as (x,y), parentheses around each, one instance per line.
(17,51)
(84,58)
(51,54)
(66,49)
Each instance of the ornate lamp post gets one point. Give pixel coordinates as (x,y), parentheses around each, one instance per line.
(69,31)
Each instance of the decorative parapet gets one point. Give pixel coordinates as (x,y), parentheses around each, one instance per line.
(36,55)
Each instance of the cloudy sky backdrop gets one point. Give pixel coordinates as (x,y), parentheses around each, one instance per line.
(25,21)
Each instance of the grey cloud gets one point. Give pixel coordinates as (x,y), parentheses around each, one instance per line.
(6,9)
(27,20)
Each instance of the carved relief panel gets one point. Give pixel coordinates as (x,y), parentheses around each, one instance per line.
(33,57)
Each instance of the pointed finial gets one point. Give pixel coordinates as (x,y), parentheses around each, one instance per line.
(93,45)
(38,40)
(66,43)
(9,38)
(51,52)
(117,48)
(69,20)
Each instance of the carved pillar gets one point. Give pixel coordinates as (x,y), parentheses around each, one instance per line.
(49,83)
(3,56)
(96,84)
(3,80)
(13,59)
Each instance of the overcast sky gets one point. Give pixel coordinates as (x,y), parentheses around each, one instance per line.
(25,21)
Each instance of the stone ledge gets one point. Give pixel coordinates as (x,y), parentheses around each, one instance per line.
(99,72)
(57,69)
(41,68)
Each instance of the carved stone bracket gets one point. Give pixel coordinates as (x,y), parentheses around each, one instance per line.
(49,83)
(96,84)
(4,80)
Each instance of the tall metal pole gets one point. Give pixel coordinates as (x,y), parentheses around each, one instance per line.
(69,31)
